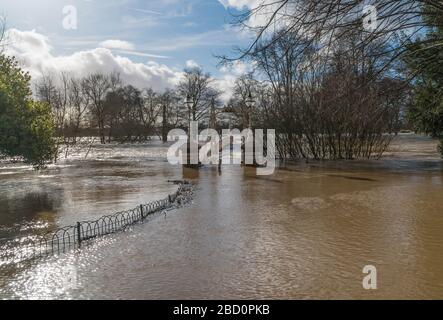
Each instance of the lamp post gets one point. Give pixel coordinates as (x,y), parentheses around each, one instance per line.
(189,104)
(250,102)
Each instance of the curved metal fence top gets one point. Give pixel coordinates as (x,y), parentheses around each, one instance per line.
(71,237)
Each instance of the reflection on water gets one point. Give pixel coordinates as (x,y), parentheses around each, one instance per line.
(305,232)
(113,179)
(24,213)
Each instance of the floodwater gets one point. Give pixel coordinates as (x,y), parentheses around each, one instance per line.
(305,232)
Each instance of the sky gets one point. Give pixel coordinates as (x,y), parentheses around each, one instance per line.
(148,42)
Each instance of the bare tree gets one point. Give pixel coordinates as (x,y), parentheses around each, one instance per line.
(326,22)
(195,89)
(97,87)
(149,111)
(78,103)
(330,106)
(170,112)
(246,88)
(55,92)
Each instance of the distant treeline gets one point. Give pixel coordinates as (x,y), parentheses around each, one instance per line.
(328,85)
(345,73)
(335,114)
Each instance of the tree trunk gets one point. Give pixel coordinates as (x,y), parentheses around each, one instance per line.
(164,126)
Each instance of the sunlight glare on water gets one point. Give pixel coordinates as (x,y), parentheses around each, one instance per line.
(305,232)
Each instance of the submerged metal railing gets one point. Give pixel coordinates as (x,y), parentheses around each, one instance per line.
(72,237)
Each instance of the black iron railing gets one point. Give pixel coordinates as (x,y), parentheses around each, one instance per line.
(72,237)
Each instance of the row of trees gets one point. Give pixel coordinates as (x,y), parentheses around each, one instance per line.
(100,105)
(333,112)
(331,88)
(356,82)
(324,105)
(103,105)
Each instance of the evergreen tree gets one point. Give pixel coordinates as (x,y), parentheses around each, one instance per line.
(26,126)
(425,60)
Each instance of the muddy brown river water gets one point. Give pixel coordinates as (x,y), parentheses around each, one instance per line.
(305,232)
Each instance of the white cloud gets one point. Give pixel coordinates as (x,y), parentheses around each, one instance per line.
(230,74)
(238,68)
(117,44)
(142,54)
(240,4)
(28,43)
(226,86)
(261,17)
(192,64)
(34,52)
(128,48)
